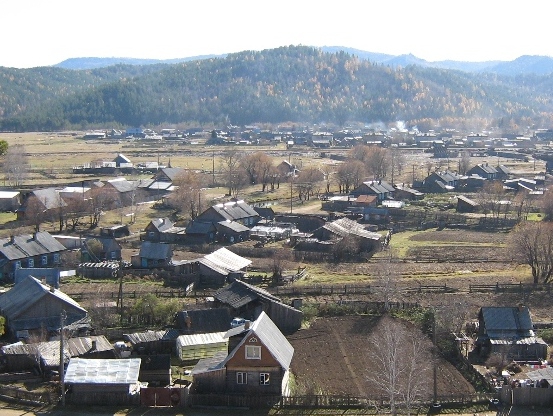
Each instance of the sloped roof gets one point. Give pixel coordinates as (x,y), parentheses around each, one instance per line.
(234,210)
(269,335)
(201,339)
(29,245)
(150,336)
(155,251)
(233,226)
(204,320)
(162,224)
(227,260)
(379,187)
(198,227)
(49,197)
(171,173)
(123,185)
(467,200)
(26,293)
(239,293)
(541,374)
(507,322)
(102,371)
(345,226)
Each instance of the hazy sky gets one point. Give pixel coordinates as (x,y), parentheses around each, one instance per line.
(41,32)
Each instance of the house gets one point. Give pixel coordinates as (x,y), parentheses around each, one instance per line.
(122,161)
(197,346)
(440,182)
(163,230)
(106,381)
(109,250)
(155,369)
(484,170)
(40,249)
(465,204)
(266,213)
(236,210)
(222,266)
(50,276)
(344,227)
(42,203)
(202,232)
(248,301)
(126,193)
(168,174)
(257,362)
(382,189)
(153,255)
(34,306)
(509,331)
(231,232)
(404,192)
(9,201)
(198,321)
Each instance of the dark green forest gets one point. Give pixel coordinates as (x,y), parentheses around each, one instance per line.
(288,84)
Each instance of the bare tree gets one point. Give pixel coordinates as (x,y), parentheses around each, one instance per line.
(401,359)
(16,165)
(532,244)
(386,275)
(350,174)
(232,171)
(258,167)
(328,172)
(490,197)
(464,162)
(187,198)
(307,182)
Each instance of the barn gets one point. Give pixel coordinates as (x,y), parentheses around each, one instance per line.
(198,346)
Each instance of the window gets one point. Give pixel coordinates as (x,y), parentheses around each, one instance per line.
(264,379)
(253,352)
(241,378)
(44,260)
(56,258)
(113,254)
(18,264)
(31,263)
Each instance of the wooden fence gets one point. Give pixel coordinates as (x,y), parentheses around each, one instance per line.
(28,397)
(510,287)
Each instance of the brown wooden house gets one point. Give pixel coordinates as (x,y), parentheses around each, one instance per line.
(257,362)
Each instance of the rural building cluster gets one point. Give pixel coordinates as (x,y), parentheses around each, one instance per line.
(238,265)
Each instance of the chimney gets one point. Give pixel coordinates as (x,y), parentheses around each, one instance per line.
(247,324)
(93,348)
(12,239)
(52,289)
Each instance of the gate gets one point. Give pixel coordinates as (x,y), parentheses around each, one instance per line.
(160,396)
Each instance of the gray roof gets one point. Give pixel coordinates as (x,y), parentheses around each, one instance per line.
(29,245)
(123,185)
(345,226)
(227,260)
(171,173)
(26,293)
(239,293)
(198,227)
(102,371)
(235,210)
(162,224)
(204,320)
(232,226)
(49,197)
(201,339)
(150,336)
(541,374)
(155,251)
(507,322)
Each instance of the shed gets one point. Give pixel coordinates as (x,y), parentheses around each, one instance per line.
(221,266)
(93,381)
(198,321)
(153,255)
(198,346)
(9,200)
(155,369)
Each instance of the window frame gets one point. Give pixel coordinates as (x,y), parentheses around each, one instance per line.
(255,355)
(241,377)
(44,260)
(264,379)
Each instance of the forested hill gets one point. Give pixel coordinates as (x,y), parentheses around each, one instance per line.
(295,83)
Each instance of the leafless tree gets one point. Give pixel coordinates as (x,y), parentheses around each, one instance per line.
(464,162)
(402,362)
(187,198)
(16,166)
(328,172)
(258,167)
(386,275)
(491,196)
(308,181)
(234,174)
(349,175)
(532,244)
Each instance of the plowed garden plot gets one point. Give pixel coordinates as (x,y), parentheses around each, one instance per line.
(333,356)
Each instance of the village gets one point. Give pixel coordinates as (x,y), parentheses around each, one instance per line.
(239,296)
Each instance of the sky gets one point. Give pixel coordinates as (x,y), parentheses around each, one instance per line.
(42,33)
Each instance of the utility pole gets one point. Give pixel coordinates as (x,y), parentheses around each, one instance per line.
(62,358)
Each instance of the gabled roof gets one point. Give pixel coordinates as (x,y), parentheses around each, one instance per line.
(379,187)
(26,293)
(232,226)
(123,185)
(49,197)
(467,200)
(268,334)
(162,224)
(239,293)
(155,251)
(344,227)
(171,173)
(199,227)
(201,339)
(121,158)
(447,176)
(150,336)
(225,261)
(102,371)
(235,210)
(29,245)
(204,320)
(507,322)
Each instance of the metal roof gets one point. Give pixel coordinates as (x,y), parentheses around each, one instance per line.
(26,293)
(102,371)
(233,226)
(508,320)
(201,339)
(228,260)
(155,251)
(239,293)
(150,336)
(540,374)
(235,210)
(345,226)
(29,245)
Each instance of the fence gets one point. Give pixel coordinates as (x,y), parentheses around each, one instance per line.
(28,397)
(510,287)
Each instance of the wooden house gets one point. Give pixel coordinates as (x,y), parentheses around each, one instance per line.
(441,182)
(152,342)
(10,201)
(201,232)
(238,211)
(155,369)
(382,189)
(465,204)
(344,228)
(110,249)
(32,306)
(231,232)
(153,255)
(509,331)
(257,362)
(484,170)
(163,230)
(43,202)
(106,381)
(248,301)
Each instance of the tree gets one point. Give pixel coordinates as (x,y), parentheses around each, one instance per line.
(187,197)
(3,147)
(532,244)
(386,275)
(401,358)
(491,196)
(16,165)
(234,174)
(464,162)
(307,182)
(349,175)
(258,167)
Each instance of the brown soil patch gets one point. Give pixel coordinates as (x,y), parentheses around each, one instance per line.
(333,356)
